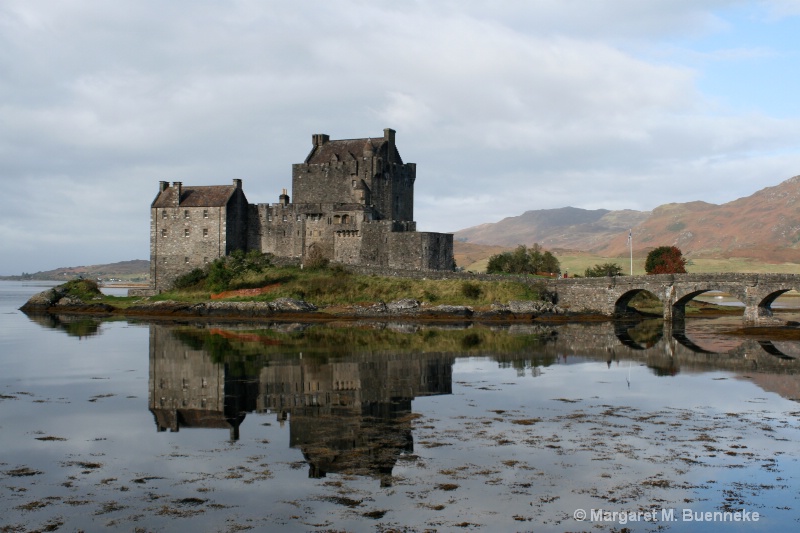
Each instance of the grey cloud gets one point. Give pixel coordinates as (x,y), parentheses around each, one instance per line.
(505,106)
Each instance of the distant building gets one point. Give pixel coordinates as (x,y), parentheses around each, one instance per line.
(353,204)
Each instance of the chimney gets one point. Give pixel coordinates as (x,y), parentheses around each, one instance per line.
(318,139)
(284,198)
(177,185)
(388,136)
(162,186)
(237,184)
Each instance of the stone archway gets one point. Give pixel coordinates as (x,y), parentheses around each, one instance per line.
(622,305)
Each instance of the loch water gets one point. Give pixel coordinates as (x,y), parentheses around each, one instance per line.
(374,426)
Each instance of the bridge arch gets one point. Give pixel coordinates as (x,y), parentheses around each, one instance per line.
(684,297)
(759,308)
(622,305)
(770,298)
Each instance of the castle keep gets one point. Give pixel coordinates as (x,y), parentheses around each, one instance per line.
(353,204)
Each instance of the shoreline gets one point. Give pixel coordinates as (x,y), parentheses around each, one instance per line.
(57,301)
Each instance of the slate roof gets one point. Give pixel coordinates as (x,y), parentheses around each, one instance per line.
(349,150)
(199,196)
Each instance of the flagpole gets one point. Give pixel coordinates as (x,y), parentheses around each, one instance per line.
(630,245)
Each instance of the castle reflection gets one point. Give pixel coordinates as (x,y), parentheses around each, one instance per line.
(346,392)
(346,413)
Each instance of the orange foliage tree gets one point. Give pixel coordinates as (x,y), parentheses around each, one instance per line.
(665,260)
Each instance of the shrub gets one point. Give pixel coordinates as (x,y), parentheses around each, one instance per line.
(430,295)
(606,269)
(524,260)
(471,290)
(315,260)
(83,289)
(219,275)
(191,279)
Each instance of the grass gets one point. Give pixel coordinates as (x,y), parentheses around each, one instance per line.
(332,287)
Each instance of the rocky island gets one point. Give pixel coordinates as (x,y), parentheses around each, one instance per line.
(84,297)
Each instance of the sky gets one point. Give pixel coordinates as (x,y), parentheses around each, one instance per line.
(505,106)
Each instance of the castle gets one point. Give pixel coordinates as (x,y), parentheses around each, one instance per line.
(353,204)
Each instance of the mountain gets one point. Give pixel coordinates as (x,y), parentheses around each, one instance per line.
(134,270)
(763,226)
(565,228)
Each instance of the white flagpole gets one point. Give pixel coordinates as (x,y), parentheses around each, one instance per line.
(630,245)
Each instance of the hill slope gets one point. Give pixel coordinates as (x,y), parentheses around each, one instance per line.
(763,226)
(134,270)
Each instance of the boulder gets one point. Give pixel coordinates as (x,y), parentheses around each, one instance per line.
(406,304)
(290,304)
(450,310)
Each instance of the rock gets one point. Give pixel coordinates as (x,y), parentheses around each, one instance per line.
(451,310)
(406,304)
(519,307)
(69,301)
(525,307)
(379,307)
(290,304)
(44,299)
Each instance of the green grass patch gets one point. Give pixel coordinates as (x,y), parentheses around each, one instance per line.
(84,289)
(335,286)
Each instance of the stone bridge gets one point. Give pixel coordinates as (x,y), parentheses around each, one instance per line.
(611,295)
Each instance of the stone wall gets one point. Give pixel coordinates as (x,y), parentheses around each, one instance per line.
(347,246)
(184,239)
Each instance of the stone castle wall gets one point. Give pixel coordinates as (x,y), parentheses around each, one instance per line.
(354,204)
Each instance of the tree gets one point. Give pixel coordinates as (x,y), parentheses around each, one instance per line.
(524,260)
(606,269)
(665,260)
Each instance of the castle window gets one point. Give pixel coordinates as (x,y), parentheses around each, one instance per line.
(354,184)
(165,260)
(205,213)
(345,219)
(186,260)
(186,213)
(269,218)
(337,219)
(205,260)
(163,232)
(284,218)
(298,218)
(164,214)
(186,232)
(205,232)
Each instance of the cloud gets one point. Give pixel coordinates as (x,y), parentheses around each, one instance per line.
(505,106)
